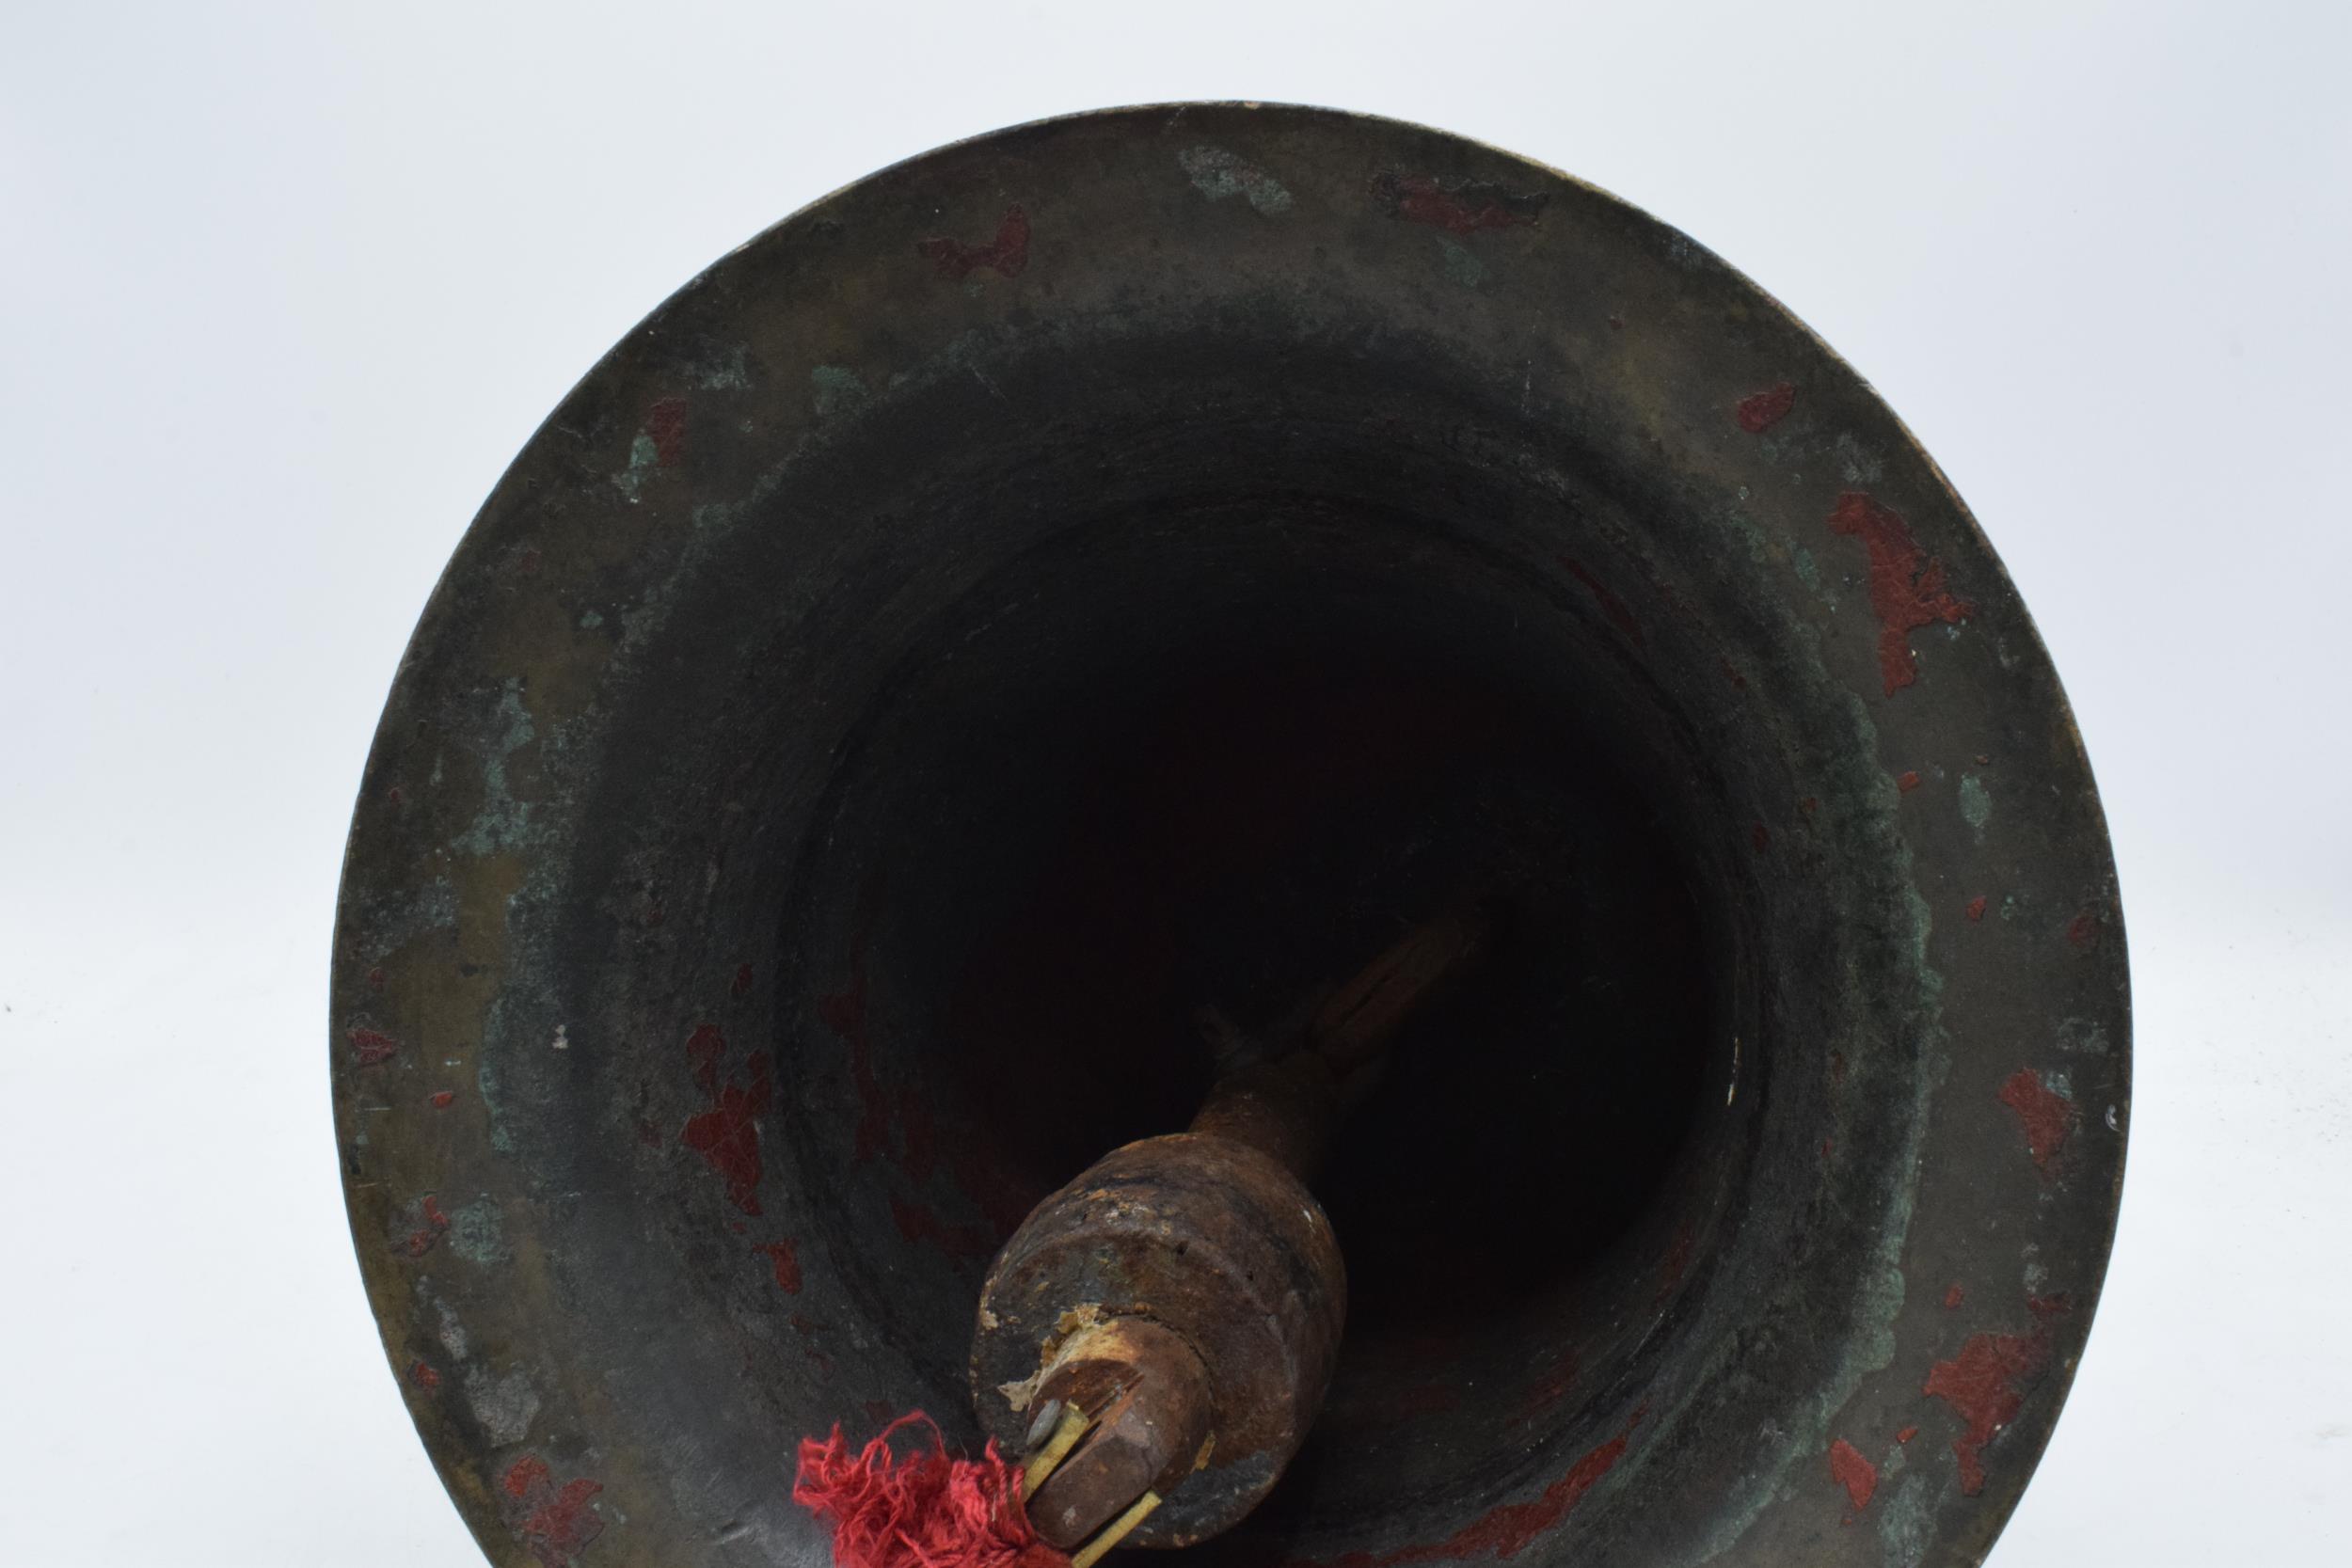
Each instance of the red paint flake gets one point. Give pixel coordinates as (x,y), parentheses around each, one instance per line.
(920,1223)
(1810,804)
(1907,589)
(1828,1145)
(1767,408)
(1731,673)
(396,795)
(375,1047)
(558,1530)
(421,1241)
(1513,1528)
(1907,782)
(1857,1475)
(556,1524)
(526,1475)
(1611,606)
(2046,1307)
(2083,931)
(441,1099)
(1006,254)
(879,1411)
(1906,1435)
(727,1134)
(742,985)
(665,421)
(2045,1114)
(1837,1066)
(1976,907)
(1983,1386)
(1456,206)
(1761,837)
(422,1375)
(1953,1297)
(704,1048)
(375,979)
(784,1257)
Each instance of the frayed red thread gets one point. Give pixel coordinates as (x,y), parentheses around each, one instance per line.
(924,1509)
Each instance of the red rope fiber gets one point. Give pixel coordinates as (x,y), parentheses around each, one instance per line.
(920,1510)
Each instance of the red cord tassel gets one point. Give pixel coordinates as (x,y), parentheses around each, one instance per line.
(923,1511)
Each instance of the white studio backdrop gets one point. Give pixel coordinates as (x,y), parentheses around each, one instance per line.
(283,288)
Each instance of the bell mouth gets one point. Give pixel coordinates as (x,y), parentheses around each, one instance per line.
(1041,608)
(1211,707)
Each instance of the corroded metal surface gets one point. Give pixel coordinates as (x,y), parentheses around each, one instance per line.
(700,910)
(1205,1236)
(1151,1402)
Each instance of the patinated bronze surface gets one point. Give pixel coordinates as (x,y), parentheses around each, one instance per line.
(1131,565)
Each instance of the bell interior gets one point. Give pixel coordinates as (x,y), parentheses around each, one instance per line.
(1027,758)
